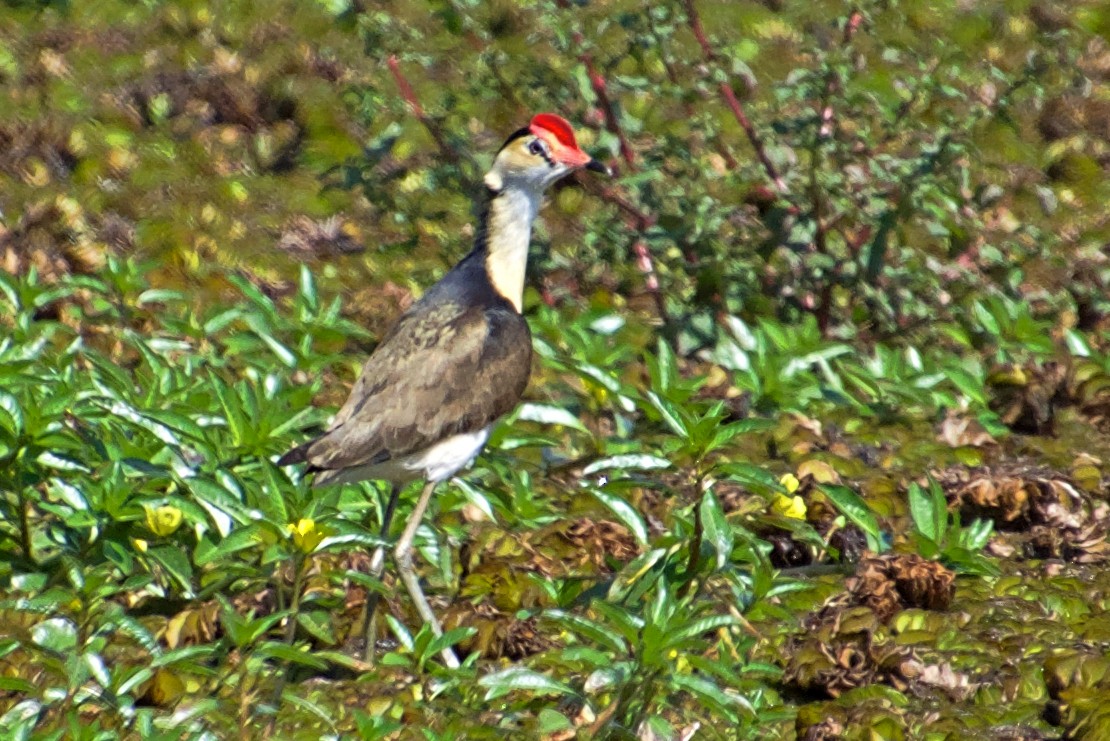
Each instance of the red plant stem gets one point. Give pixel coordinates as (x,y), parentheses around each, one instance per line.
(612,123)
(636,219)
(413,102)
(597,82)
(406,89)
(729,95)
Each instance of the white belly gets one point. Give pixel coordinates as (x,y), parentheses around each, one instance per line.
(436,463)
(444,459)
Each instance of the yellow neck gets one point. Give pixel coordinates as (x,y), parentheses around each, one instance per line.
(508,231)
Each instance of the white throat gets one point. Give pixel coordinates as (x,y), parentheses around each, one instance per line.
(508,233)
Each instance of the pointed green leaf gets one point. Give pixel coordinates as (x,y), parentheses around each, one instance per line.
(520,678)
(718,531)
(852,506)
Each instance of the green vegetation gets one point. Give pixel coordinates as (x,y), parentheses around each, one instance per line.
(817,436)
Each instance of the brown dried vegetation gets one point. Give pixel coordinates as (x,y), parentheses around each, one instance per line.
(1040,513)
(845,644)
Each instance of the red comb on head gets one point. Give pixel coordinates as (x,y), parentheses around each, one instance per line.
(556,126)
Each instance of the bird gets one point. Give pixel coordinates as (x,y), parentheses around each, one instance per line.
(455,362)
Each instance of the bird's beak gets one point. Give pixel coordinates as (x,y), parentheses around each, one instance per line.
(595,166)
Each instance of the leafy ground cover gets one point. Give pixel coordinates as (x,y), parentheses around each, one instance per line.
(815,445)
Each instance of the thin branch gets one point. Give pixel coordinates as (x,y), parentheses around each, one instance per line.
(635,218)
(672,75)
(729,95)
(597,82)
(825,131)
(406,89)
(428,122)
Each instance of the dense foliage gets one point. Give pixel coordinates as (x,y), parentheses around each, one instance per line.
(816,432)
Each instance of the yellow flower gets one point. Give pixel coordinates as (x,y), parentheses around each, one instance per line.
(790,482)
(163,520)
(306,535)
(793,507)
(140,544)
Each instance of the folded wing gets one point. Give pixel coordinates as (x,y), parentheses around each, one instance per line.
(444,371)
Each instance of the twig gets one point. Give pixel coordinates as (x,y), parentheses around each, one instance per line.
(612,123)
(636,219)
(729,95)
(413,102)
(825,131)
(687,106)
(597,82)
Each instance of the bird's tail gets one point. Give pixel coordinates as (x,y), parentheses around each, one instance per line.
(298,454)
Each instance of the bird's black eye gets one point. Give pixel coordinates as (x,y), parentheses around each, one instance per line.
(538,148)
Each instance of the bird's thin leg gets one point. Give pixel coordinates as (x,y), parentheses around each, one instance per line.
(377,565)
(403,555)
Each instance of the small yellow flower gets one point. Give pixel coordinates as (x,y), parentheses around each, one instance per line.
(140,544)
(793,507)
(163,520)
(306,535)
(790,482)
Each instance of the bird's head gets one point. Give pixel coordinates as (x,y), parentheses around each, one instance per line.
(539,154)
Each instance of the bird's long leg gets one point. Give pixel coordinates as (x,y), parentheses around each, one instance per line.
(377,565)
(403,555)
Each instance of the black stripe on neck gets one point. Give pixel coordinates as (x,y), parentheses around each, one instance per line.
(481,235)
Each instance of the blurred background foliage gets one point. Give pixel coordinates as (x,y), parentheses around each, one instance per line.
(848,292)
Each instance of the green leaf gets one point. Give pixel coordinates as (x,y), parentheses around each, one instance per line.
(625,512)
(176,564)
(633,461)
(701,626)
(519,678)
(718,531)
(236,423)
(969,385)
(327,715)
(712,696)
(247,536)
(15,684)
(666,367)
(449,639)
(549,721)
(319,623)
(184,656)
(549,414)
(923,512)
(61,462)
(589,629)
(283,353)
(160,296)
(56,634)
(284,652)
(307,285)
(404,637)
(750,475)
(12,411)
(726,433)
(628,623)
(986,318)
(1077,343)
(633,571)
(671,414)
(269,494)
(976,535)
(852,506)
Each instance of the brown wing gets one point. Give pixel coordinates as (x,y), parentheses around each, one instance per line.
(440,372)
